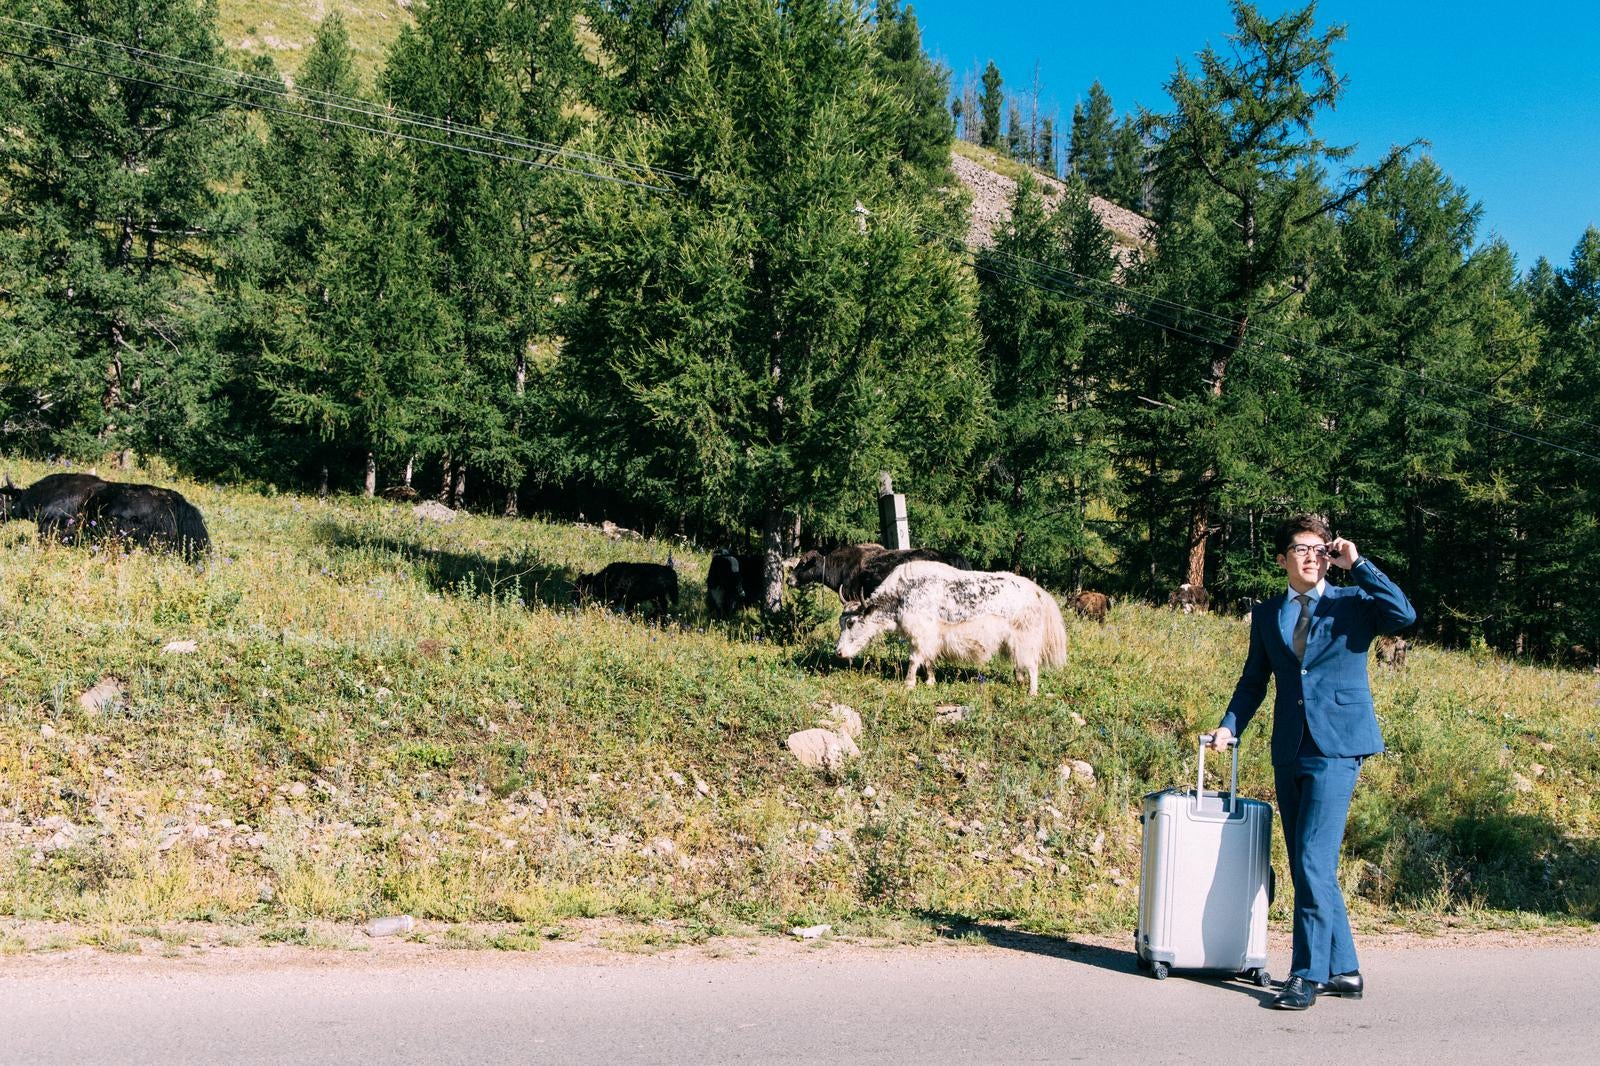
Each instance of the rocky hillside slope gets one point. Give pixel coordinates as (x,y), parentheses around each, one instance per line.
(992,191)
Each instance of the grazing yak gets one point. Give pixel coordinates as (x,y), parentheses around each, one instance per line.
(834,568)
(630,585)
(1190,599)
(1095,605)
(85,507)
(733,581)
(961,614)
(871,575)
(856,570)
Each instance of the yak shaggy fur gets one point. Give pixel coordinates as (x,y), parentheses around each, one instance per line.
(964,615)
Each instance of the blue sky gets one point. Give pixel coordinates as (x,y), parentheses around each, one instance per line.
(1507,95)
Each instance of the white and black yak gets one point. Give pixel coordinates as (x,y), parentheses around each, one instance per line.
(965,615)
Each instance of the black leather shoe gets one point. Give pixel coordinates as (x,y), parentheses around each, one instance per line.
(1348,985)
(1297,994)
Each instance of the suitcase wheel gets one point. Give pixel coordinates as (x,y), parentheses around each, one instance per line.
(1159,970)
(1259,976)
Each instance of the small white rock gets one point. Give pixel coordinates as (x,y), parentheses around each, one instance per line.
(394,925)
(180,647)
(821,749)
(433,511)
(810,932)
(297,789)
(102,695)
(47,731)
(842,719)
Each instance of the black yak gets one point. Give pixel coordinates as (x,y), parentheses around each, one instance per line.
(834,568)
(630,585)
(734,581)
(85,507)
(875,570)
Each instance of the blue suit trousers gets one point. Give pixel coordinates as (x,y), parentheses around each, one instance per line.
(1314,793)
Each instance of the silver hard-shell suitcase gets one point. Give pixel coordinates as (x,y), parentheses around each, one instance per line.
(1206,880)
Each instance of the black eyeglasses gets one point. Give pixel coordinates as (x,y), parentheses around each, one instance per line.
(1300,551)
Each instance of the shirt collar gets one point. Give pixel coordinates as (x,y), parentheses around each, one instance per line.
(1315,591)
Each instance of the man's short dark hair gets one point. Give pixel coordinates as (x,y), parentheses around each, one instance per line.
(1296,524)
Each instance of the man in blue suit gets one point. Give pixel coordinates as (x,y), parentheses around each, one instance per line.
(1313,641)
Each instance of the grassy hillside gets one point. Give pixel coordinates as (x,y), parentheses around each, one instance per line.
(284,29)
(384,715)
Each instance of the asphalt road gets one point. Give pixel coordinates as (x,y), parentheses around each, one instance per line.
(1034,1000)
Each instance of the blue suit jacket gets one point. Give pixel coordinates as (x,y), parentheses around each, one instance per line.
(1328,693)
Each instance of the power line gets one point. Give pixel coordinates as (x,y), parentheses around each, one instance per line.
(369,108)
(416,120)
(328,120)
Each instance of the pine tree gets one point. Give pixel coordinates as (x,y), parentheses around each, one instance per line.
(1240,141)
(295,191)
(1093,131)
(990,103)
(1422,330)
(921,128)
(1016,135)
(518,70)
(1047,148)
(359,362)
(1046,458)
(751,354)
(112,177)
(1125,182)
(1559,528)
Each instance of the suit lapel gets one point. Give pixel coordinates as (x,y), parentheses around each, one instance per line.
(1275,616)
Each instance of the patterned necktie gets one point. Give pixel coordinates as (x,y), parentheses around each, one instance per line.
(1302,626)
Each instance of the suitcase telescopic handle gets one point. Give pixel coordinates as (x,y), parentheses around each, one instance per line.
(1200,778)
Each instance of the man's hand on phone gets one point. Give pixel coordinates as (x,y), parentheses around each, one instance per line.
(1342,553)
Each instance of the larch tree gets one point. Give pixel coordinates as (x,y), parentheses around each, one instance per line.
(113,167)
(752,349)
(1093,131)
(1046,457)
(990,102)
(1241,136)
(515,69)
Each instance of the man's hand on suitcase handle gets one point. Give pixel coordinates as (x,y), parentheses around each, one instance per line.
(1220,739)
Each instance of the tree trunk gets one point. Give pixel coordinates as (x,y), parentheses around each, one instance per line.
(458,494)
(1201,517)
(444,480)
(779,540)
(410,462)
(370,486)
(322,489)
(511,502)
